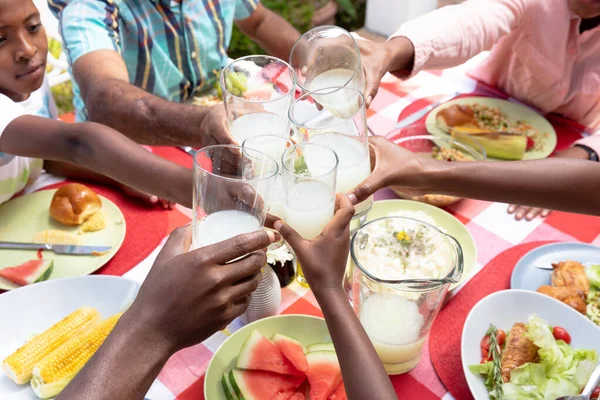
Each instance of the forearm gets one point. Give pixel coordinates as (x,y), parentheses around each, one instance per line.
(143,117)
(75,171)
(557,183)
(274,34)
(102,150)
(362,370)
(124,367)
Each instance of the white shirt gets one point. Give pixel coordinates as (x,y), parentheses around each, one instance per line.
(17,172)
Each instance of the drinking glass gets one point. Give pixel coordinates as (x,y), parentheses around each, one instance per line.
(232,189)
(403,268)
(274,146)
(257,93)
(327,56)
(309,175)
(345,132)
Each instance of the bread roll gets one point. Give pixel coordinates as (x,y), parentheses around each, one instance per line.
(74,203)
(456,115)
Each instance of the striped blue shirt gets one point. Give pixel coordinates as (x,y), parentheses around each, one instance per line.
(172,48)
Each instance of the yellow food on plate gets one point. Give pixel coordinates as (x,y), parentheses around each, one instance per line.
(53,373)
(74,203)
(19,365)
(55,236)
(95,223)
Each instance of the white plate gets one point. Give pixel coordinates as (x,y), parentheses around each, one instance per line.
(505,308)
(32,309)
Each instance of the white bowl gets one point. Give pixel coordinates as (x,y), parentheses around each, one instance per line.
(505,308)
(32,309)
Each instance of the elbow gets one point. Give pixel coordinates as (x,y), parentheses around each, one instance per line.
(78,142)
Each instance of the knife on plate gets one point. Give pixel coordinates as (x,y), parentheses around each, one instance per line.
(548,265)
(417,115)
(57,248)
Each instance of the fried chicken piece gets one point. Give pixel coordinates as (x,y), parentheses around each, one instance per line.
(519,350)
(571,274)
(568,295)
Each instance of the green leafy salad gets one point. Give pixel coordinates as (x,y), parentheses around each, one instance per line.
(593,300)
(537,358)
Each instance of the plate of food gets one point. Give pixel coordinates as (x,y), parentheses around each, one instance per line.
(506,130)
(568,272)
(283,357)
(44,324)
(442,149)
(435,216)
(518,344)
(72,215)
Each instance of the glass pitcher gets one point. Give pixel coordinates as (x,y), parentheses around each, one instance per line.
(402,269)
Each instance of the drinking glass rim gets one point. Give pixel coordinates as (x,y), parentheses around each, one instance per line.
(291,71)
(234,146)
(286,138)
(323,27)
(331,89)
(409,284)
(295,146)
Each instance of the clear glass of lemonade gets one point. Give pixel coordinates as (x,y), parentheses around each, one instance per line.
(232,190)
(309,176)
(327,56)
(403,268)
(344,130)
(257,92)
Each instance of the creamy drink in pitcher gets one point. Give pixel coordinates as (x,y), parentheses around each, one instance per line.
(222,225)
(342,104)
(255,124)
(354,166)
(394,324)
(309,207)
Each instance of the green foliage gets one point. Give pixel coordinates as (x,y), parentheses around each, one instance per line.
(63,93)
(299,13)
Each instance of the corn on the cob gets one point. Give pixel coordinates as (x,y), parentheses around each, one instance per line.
(19,365)
(52,374)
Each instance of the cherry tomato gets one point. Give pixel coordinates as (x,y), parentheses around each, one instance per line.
(595,393)
(500,337)
(485,346)
(561,334)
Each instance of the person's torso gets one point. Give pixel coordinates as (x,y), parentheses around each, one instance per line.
(547,63)
(172,49)
(17,172)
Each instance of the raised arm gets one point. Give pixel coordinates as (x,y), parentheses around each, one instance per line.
(101,149)
(323,261)
(444,38)
(556,183)
(270,31)
(145,118)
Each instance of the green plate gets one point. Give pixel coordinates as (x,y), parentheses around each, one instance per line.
(304,328)
(513,111)
(444,220)
(24,216)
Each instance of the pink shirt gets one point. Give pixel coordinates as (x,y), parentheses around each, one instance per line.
(537,53)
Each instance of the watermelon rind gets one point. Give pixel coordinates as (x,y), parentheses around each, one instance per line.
(236,388)
(259,353)
(320,347)
(246,350)
(47,273)
(227,388)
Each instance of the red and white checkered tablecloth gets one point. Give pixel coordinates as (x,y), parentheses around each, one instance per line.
(494,231)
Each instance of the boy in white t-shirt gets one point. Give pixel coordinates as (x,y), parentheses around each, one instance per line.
(30,133)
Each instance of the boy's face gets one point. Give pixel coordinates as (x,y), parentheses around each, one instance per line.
(23,49)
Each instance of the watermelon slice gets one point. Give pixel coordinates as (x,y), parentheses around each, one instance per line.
(261,92)
(261,385)
(339,394)
(324,374)
(292,350)
(298,396)
(320,347)
(227,388)
(258,353)
(29,272)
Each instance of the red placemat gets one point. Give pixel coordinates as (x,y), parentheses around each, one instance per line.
(174,154)
(444,348)
(146,225)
